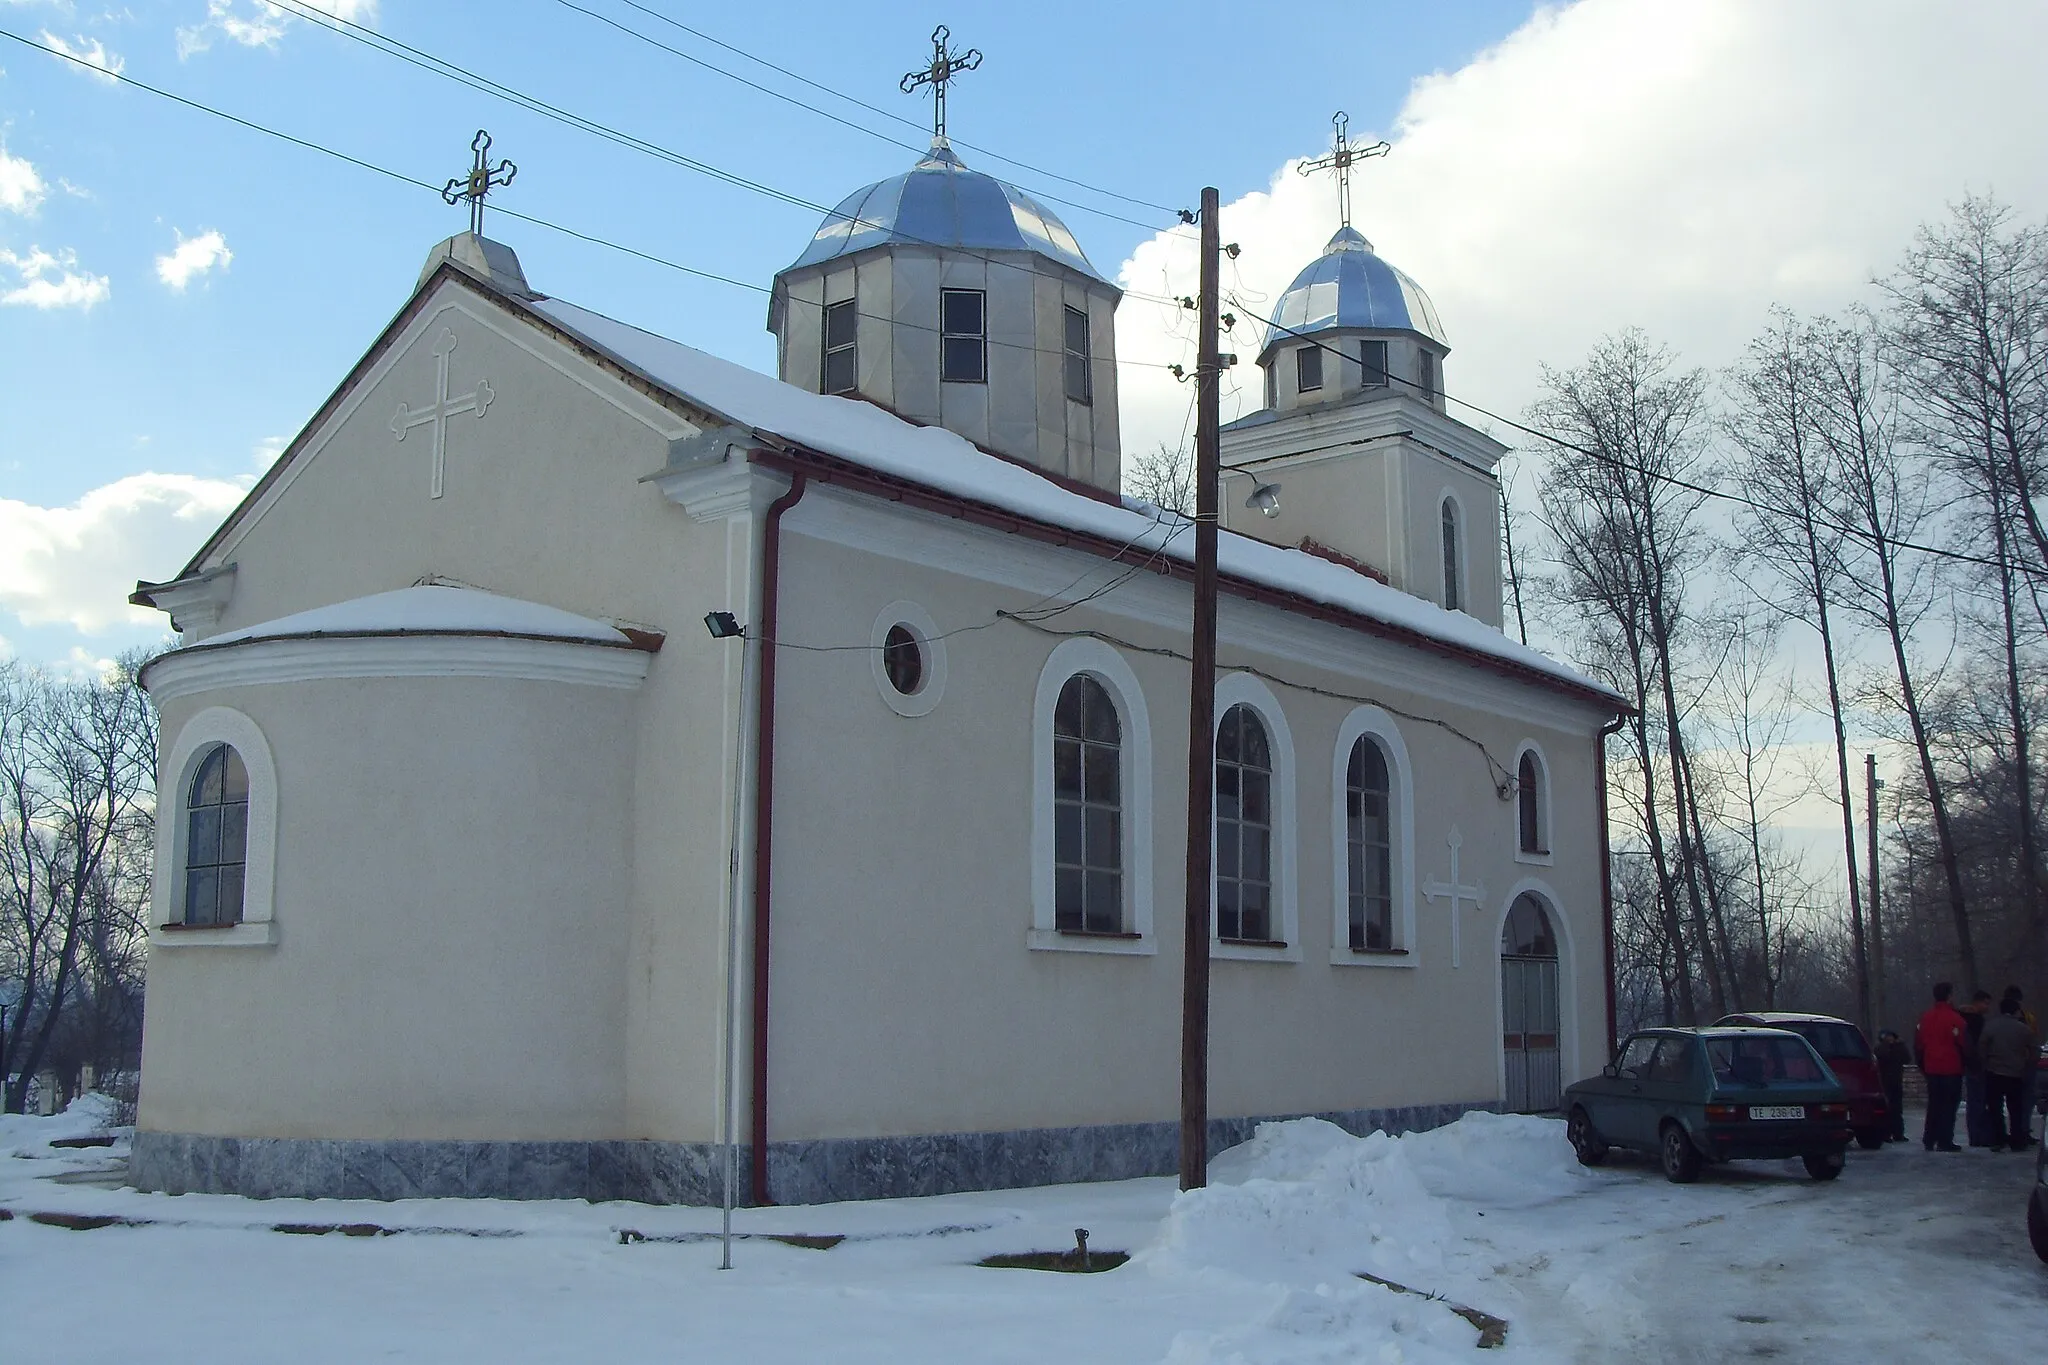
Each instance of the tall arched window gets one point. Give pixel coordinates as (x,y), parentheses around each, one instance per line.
(1244,828)
(1087,783)
(216,838)
(1454,587)
(1369,826)
(1533,834)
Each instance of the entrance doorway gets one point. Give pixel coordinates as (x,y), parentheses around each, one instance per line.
(1529,1008)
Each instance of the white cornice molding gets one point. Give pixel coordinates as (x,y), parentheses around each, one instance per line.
(318,658)
(719,488)
(194,604)
(1315,429)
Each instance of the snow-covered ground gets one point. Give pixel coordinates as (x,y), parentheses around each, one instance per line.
(1908,1257)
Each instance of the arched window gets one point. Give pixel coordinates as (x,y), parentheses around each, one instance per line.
(1087,786)
(1527,932)
(1369,831)
(1244,828)
(1454,587)
(216,838)
(1533,824)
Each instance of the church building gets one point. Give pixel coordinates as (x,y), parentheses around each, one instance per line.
(572,729)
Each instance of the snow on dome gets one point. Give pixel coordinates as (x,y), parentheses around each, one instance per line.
(936,458)
(1350,286)
(939,202)
(431,609)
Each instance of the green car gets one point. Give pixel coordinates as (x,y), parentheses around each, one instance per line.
(1694,1095)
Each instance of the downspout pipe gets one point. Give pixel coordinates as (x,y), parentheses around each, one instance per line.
(766,625)
(1606,870)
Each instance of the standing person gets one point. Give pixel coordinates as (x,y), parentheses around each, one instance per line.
(2006,1047)
(1938,1041)
(1976,1118)
(1891,1076)
(2031,1081)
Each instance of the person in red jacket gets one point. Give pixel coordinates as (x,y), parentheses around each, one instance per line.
(1938,1044)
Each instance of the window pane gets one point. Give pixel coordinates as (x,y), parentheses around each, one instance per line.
(1078,388)
(1372,359)
(1066,898)
(1253,921)
(840,324)
(1066,713)
(962,309)
(230,903)
(1257,752)
(1077,332)
(1079,385)
(1066,834)
(1226,849)
(1098,716)
(234,777)
(1230,736)
(1104,844)
(234,832)
(1227,920)
(1106,911)
(839,372)
(963,360)
(1257,807)
(202,838)
(201,889)
(1101,773)
(1308,368)
(902,660)
(1066,767)
(206,782)
(1256,847)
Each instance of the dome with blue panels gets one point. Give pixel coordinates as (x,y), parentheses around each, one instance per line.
(1348,286)
(939,202)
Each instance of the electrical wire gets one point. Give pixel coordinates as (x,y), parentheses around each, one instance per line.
(772,93)
(401,177)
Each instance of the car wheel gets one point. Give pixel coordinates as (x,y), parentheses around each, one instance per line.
(1578,1130)
(1823,1165)
(2037,1221)
(1681,1158)
(1870,1139)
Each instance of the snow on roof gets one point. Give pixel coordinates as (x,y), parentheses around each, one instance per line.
(431,609)
(936,458)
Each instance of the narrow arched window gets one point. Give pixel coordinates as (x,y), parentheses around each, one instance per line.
(1368,824)
(1454,588)
(1534,838)
(216,838)
(1244,828)
(1087,785)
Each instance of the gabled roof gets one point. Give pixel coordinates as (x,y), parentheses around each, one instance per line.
(853,436)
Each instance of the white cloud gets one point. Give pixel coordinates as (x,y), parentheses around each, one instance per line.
(1680,166)
(21,188)
(259,23)
(49,280)
(91,51)
(193,256)
(78,564)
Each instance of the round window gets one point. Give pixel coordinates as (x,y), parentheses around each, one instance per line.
(903,659)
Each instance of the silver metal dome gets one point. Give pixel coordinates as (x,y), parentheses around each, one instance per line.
(939,202)
(1349,286)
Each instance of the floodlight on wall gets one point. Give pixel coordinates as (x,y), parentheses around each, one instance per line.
(1265,499)
(723,625)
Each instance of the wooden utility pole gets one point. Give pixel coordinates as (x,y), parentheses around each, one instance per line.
(1194,1016)
(1870,789)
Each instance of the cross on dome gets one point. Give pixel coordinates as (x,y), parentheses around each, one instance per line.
(945,65)
(483,177)
(1340,159)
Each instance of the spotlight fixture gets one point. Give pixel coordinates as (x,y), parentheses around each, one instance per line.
(1265,499)
(723,625)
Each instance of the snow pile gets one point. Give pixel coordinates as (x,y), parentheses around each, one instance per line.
(1509,1161)
(30,1135)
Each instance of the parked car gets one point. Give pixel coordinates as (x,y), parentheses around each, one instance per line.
(1847,1052)
(2037,1202)
(1694,1095)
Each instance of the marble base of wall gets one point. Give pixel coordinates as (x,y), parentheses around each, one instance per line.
(816,1172)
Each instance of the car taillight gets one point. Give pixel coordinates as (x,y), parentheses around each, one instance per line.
(1724,1113)
(1834,1111)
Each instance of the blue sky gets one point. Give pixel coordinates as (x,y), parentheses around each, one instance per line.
(177,295)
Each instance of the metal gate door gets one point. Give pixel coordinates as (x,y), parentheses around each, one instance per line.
(1529,1033)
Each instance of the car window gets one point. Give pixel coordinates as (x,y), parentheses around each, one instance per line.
(1635,1058)
(1834,1041)
(1763,1061)
(1673,1062)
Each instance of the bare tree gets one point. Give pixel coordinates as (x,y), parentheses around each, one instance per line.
(1164,477)
(77,764)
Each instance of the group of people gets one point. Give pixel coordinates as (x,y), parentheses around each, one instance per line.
(1983,1057)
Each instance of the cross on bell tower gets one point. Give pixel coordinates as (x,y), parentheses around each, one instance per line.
(483,177)
(945,65)
(1340,159)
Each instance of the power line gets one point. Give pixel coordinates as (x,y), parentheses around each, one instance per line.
(440,66)
(890,113)
(565,230)
(1704,490)
(772,93)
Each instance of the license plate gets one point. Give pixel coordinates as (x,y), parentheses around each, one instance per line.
(1777,1111)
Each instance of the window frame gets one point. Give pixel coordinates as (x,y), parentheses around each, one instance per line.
(1366,371)
(177,766)
(949,335)
(1085,805)
(1571,1040)
(1451,538)
(1085,356)
(1303,355)
(847,308)
(1529,750)
(1102,662)
(931,647)
(189,864)
(1244,689)
(1371,722)
(1429,374)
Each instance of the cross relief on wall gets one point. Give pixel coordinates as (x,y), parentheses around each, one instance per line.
(444,406)
(1455,892)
